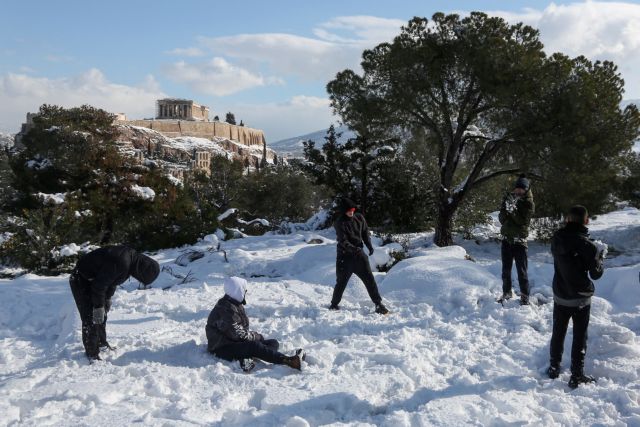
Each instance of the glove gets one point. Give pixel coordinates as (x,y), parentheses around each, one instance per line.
(258,337)
(98,315)
(107,305)
(370,251)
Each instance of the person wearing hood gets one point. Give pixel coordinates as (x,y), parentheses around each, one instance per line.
(93,282)
(576,260)
(515,217)
(229,336)
(352,234)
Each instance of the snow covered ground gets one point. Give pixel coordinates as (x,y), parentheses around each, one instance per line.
(447,355)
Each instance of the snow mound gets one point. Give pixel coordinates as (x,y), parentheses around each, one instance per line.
(441,277)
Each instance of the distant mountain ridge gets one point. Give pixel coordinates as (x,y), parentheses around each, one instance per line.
(292,147)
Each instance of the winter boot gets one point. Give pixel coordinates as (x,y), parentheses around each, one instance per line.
(577,379)
(524,299)
(93,357)
(506,296)
(247,364)
(553,371)
(381,309)
(334,307)
(295,361)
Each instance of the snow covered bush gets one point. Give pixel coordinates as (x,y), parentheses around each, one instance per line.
(88,192)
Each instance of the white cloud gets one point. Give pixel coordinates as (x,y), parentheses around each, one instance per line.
(597,30)
(285,54)
(338,44)
(190,51)
(296,116)
(21,93)
(216,77)
(366,31)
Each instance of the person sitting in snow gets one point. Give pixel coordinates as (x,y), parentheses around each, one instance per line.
(352,234)
(575,258)
(515,216)
(94,281)
(229,337)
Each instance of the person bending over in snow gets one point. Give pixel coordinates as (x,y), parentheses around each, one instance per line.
(94,281)
(352,234)
(575,258)
(229,337)
(515,216)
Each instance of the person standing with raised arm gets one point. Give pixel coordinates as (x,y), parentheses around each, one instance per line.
(515,216)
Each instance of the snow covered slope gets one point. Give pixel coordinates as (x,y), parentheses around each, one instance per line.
(292,147)
(447,355)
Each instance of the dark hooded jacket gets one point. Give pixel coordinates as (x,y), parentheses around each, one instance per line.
(515,217)
(228,323)
(574,260)
(102,270)
(352,232)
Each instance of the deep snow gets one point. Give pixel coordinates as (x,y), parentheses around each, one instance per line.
(447,355)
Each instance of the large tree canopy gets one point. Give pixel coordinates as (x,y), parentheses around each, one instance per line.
(482,90)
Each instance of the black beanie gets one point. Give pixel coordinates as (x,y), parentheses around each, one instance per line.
(145,269)
(346,204)
(522,182)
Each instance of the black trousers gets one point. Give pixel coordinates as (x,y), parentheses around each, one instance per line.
(518,252)
(93,336)
(266,350)
(561,316)
(357,264)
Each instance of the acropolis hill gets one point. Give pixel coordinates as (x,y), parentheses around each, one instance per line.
(182,117)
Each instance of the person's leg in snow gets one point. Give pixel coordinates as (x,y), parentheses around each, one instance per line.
(580,319)
(264,350)
(82,298)
(561,317)
(507,262)
(362,269)
(344,270)
(522,264)
(102,329)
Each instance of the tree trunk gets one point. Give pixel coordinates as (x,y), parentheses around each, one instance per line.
(444,224)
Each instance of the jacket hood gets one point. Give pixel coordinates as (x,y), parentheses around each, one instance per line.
(145,269)
(346,204)
(235,287)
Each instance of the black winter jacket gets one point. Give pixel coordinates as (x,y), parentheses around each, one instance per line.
(515,217)
(104,269)
(574,260)
(352,233)
(228,323)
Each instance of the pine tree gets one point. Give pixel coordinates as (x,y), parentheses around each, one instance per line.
(483,92)
(230,118)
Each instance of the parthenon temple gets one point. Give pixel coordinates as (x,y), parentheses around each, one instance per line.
(183,109)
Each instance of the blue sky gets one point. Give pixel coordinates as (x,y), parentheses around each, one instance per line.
(268,62)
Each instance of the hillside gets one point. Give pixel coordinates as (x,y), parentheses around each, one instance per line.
(179,151)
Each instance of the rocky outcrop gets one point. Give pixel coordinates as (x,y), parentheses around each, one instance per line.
(156,146)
